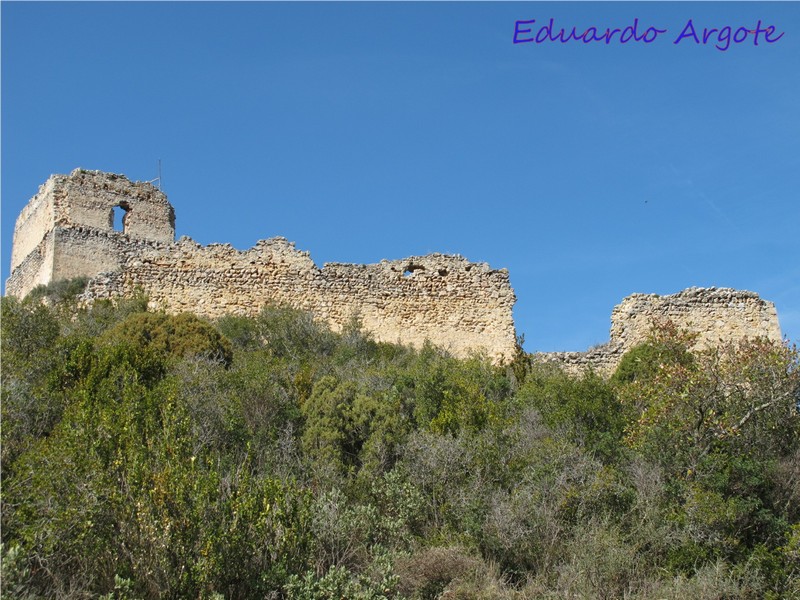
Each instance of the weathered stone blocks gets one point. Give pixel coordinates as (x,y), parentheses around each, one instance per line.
(715,315)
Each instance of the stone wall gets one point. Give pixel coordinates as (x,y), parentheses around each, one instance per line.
(88,198)
(716,315)
(456,304)
(36,268)
(34,222)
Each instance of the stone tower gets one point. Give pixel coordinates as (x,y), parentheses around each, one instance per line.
(67,229)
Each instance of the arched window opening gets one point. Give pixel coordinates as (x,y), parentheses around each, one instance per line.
(118,217)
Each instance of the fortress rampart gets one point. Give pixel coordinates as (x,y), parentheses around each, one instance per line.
(715,315)
(67,230)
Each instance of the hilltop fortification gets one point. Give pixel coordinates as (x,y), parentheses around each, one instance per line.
(715,315)
(67,230)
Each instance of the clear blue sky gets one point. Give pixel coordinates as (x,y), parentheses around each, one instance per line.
(364,131)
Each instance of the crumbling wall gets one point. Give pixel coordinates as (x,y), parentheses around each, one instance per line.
(34,222)
(603,359)
(88,198)
(86,252)
(715,315)
(67,230)
(36,268)
(458,305)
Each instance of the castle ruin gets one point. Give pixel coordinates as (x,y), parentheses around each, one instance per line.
(67,230)
(715,315)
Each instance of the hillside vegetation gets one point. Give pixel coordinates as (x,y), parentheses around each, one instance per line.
(155,456)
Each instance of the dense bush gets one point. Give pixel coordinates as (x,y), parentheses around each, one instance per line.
(585,409)
(59,291)
(180,336)
(148,456)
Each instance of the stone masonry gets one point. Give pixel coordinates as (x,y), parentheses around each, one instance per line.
(67,231)
(715,315)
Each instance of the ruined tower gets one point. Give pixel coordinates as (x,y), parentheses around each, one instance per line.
(715,315)
(67,229)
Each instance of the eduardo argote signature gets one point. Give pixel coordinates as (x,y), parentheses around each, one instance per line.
(722,38)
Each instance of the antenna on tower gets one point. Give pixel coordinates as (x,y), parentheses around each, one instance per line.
(158,179)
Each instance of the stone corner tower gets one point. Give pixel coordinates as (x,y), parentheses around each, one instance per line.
(67,229)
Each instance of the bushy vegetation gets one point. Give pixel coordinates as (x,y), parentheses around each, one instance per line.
(155,456)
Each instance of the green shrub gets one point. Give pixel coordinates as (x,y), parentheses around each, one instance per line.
(585,408)
(59,291)
(183,336)
(666,346)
